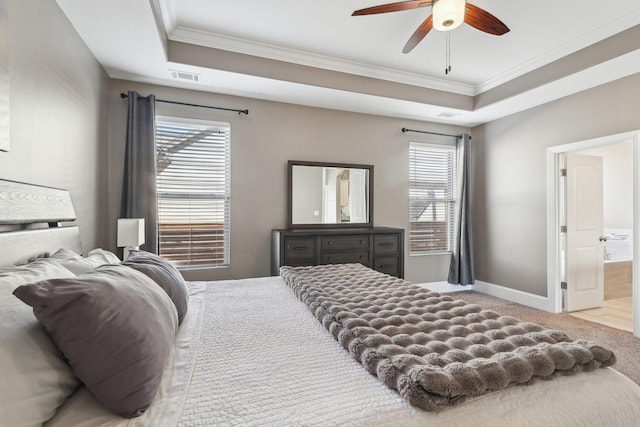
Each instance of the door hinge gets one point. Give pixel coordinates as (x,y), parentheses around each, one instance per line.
(563,285)
(563,172)
(563,228)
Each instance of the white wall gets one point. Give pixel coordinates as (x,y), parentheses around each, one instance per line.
(617,180)
(261,145)
(509,177)
(58,123)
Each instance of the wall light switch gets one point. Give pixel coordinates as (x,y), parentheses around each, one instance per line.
(316,213)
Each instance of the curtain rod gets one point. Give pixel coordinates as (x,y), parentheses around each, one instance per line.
(431,133)
(124,96)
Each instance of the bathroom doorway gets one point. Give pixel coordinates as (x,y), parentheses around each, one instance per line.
(617,310)
(620,239)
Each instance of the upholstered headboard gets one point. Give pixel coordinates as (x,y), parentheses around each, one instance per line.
(37,212)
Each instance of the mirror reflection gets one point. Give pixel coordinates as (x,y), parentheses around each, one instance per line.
(329,195)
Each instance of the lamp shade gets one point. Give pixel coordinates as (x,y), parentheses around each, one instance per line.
(448,14)
(130,232)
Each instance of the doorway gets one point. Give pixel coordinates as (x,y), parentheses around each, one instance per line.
(615,306)
(555,242)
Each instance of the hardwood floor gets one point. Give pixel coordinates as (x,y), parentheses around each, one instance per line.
(617,278)
(618,309)
(617,313)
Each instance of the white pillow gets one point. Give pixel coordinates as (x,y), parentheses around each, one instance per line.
(36,378)
(80,265)
(64,255)
(102,256)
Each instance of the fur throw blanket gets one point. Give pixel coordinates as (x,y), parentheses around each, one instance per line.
(433,349)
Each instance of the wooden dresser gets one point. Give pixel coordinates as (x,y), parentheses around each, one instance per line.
(381,248)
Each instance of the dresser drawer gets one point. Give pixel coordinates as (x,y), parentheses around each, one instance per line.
(345,242)
(346,258)
(386,244)
(300,262)
(386,264)
(299,248)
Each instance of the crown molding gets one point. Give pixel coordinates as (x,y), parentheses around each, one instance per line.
(587,39)
(603,73)
(166,9)
(263,50)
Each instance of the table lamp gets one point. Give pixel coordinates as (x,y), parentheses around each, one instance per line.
(130,234)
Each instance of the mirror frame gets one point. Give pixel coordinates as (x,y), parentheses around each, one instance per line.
(292,163)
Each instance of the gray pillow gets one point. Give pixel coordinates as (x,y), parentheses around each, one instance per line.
(164,274)
(116,328)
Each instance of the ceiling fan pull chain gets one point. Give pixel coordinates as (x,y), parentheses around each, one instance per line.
(447,68)
(446,52)
(449,50)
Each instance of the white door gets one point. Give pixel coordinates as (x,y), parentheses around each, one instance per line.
(584,245)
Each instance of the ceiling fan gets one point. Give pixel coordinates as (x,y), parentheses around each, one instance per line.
(446,15)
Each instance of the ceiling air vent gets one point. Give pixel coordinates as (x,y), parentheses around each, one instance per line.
(185,75)
(446,115)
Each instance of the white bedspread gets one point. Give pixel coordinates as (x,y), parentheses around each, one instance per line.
(249,353)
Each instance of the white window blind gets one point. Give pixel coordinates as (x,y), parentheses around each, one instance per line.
(193,181)
(432,198)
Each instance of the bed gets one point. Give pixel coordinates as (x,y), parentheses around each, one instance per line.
(249,352)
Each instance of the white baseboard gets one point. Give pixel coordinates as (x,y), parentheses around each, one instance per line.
(513,295)
(445,287)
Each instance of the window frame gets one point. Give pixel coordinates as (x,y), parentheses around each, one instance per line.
(226,197)
(450,202)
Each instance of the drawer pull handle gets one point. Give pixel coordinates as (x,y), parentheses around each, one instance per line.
(299,248)
(386,244)
(385,266)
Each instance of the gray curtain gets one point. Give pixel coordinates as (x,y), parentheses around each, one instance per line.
(139,195)
(461,268)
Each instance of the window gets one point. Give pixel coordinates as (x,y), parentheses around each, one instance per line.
(193,181)
(432,198)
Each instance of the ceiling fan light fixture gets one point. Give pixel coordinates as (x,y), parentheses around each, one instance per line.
(448,14)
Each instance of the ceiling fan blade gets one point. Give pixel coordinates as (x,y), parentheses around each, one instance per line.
(392,7)
(482,20)
(420,33)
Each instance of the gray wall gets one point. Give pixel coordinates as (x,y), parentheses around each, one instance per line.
(307,188)
(60,136)
(58,123)
(509,177)
(261,144)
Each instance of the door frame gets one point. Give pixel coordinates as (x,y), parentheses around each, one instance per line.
(554,294)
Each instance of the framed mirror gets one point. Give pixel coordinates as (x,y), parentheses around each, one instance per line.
(329,195)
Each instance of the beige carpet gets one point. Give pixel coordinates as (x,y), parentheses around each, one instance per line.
(623,344)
